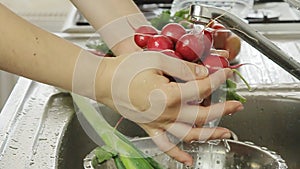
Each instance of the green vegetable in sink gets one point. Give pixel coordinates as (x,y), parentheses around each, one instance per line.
(231,92)
(103,154)
(118,147)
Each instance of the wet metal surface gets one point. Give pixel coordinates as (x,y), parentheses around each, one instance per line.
(216,154)
(262,70)
(271,119)
(32,124)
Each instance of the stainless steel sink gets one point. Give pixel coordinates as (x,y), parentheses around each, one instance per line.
(38,126)
(271,119)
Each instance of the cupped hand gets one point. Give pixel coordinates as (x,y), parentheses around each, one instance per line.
(156,91)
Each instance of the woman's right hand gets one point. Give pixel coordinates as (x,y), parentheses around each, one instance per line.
(138,86)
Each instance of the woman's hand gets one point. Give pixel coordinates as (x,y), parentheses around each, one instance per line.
(156,91)
(137,85)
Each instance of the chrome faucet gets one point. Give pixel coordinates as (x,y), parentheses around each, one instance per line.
(203,14)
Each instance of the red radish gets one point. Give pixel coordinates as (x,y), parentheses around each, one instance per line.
(142,39)
(220,35)
(143,34)
(216,25)
(208,42)
(174,31)
(147,29)
(172,53)
(233,46)
(216,62)
(190,46)
(159,42)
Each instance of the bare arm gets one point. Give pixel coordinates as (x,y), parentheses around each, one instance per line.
(32,52)
(29,51)
(102,12)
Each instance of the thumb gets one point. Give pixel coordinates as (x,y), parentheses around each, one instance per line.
(174,67)
(181,69)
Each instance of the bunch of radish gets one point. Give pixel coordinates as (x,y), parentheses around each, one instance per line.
(174,40)
(193,46)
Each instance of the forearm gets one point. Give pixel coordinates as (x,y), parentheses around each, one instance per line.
(100,13)
(29,51)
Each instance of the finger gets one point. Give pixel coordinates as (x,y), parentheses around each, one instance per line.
(203,88)
(193,114)
(219,52)
(180,156)
(164,144)
(153,60)
(181,69)
(188,134)
(215,111)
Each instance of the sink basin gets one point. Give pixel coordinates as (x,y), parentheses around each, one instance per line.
(271,119)
(39,127)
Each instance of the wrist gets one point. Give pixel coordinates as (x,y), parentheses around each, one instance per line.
(103,80)
(125,47)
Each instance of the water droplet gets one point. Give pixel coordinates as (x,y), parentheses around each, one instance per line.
(227,146)
(12,147)
(249,143)
(264,148)
(14,140)
(41,139)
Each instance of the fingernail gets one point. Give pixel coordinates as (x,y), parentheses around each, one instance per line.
(201,71)
(226,135)
(240,108)
(188,164)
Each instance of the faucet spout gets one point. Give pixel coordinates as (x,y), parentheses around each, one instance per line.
(202,14)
